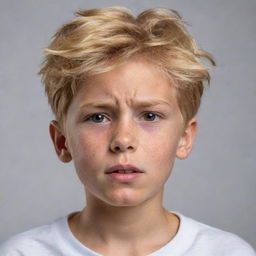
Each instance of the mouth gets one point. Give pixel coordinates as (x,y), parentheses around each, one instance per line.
(123,169)
(124,173)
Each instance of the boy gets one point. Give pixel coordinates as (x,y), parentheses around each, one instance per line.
(143,79)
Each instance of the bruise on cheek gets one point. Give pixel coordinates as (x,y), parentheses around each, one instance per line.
(150,127)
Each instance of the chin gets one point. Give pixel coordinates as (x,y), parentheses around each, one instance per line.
(125,198)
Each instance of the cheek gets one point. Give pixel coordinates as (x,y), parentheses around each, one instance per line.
(86,143)
(87,151)
(161,150)
(160,141)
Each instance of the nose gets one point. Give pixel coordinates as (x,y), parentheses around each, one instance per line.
(124,138)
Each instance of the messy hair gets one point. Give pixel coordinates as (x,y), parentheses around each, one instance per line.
(98,40)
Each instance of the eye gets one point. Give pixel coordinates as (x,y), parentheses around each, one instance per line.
(97,118)
(150,116)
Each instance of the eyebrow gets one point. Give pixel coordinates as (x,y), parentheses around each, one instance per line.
(138,104)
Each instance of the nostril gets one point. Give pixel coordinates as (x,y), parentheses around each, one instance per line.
(122,149)
(117,148)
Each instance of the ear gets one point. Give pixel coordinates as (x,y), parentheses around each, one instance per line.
(59,142)
(187,140)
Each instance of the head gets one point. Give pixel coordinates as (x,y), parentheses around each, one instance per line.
(110,58)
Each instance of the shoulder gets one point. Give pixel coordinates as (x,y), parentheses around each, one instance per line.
(223,241)
(214,240)
(36,241)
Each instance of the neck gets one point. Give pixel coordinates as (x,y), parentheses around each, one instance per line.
(127,222)
(148,222)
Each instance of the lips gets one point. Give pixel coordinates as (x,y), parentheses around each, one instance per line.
(120,168)
(124,173)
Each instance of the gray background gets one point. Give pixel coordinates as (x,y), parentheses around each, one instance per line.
(215,185)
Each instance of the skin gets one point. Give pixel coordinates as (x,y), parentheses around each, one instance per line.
(119,216)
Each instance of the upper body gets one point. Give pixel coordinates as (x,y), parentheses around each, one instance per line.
(192,239)
(125,91)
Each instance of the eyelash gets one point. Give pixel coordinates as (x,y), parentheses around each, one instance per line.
(89,118)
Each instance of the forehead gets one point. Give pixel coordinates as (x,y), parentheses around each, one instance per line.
(132,80)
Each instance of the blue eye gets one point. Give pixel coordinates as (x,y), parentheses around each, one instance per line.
(100,118)
(150,116)
(96,118)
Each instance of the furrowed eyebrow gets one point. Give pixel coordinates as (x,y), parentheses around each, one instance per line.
(138,104)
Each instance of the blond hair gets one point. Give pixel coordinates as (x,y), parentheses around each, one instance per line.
(98,40)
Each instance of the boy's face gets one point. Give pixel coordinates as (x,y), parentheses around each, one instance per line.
(128,116)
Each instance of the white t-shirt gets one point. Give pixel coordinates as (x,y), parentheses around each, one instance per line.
(192,239)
